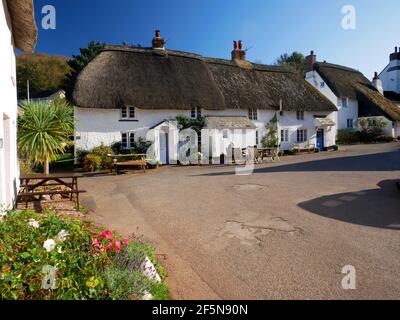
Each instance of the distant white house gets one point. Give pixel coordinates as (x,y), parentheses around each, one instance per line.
(130,92)
(390,77)
(353,94)
(17,30)
(59,94)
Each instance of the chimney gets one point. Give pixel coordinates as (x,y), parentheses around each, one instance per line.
(395,55)
(311,61)
(238,53)
(158,42)
(377,83)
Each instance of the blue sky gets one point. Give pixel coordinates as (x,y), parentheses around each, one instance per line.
(208,27)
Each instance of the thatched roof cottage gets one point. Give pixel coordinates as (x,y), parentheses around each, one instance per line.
(125,91)
(354,95)
(17,30)
(390,77)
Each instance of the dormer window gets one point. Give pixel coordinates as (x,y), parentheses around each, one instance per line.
(128,113)
(195,113)
(300,115)
(345,102)
(253,114)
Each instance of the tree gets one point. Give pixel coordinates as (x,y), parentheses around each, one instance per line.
(270,140)
(46,74)
(79,62)
(295,61)
(44,130)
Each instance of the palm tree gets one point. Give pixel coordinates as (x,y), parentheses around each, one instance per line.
(44,130)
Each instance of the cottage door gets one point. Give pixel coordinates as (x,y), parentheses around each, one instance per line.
(320,139)
(164,147)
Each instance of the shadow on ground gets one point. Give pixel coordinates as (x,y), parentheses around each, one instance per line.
(379,208)
(388,161)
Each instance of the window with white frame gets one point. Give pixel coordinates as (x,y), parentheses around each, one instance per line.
(350,123)
(257,138)
(127,140)
(284,135)
(253,114)
(128,113)
(195,113)
(301,135)
(345,102)
(300,115)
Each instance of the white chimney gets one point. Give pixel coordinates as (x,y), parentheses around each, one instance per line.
(377,83)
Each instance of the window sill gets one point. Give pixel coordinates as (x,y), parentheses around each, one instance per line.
(128,120)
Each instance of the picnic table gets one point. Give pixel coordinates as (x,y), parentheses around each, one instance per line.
(260,153)
(136,160)
(31,182)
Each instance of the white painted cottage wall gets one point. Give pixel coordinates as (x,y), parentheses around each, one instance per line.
(9,171)
(344,113)
(391,80)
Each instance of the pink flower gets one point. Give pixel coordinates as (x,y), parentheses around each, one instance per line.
(108,247)
(134,296)
(125,242)
(106,235)
(118,247)
(96,243)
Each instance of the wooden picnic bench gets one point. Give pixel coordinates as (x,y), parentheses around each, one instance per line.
(122,160)
(28,190)
(309,147)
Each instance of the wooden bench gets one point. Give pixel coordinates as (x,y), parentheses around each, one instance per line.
(308,147)
(51,180)
(119,161)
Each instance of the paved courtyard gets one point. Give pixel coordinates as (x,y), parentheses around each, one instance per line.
(284,232)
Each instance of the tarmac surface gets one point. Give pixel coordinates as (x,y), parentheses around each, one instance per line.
(284,232)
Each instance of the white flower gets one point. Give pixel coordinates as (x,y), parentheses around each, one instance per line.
(62,236)
(147,296)
(33,223)
(59,250)
(149,270)
(49,245)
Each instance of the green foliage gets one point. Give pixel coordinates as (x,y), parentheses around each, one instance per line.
(347,136)
(295,61)
(196,124)
(44,130)
(270,140)
(91,162)
(80,155)
(335,147)
(124,277)
(139,147)
(103,151)
(370,131)
(22,258)
(46,74)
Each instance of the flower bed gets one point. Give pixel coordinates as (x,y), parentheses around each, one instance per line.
(45,256)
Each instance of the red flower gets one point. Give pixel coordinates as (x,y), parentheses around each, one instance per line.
(125,242)
(106,235)
(118,247)
(134,296)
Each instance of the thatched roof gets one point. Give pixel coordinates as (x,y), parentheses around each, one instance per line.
(23,23)
(229,123)
(350,83)
(157,79)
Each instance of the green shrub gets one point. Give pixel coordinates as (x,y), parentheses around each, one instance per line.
(124,276)
(383,138)
(91,162)
(348,136)
(103,151)
(335,147)
(23,256)
(80,155)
